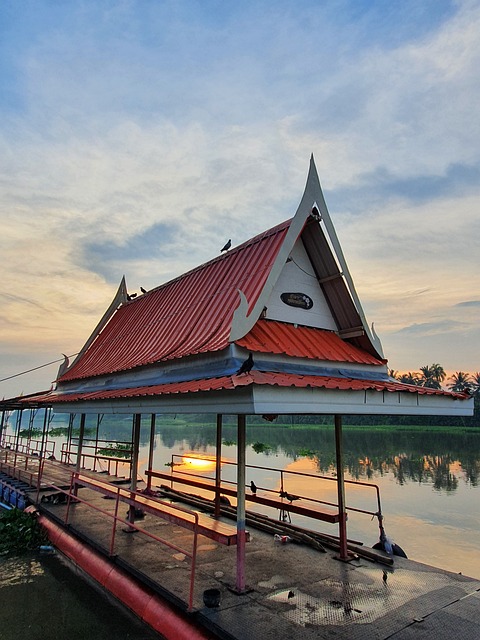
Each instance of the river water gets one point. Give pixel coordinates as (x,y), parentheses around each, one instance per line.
(43,599)
(428,481)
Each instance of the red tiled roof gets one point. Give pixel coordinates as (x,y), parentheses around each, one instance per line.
(255,377)
(269,336)
(189,315)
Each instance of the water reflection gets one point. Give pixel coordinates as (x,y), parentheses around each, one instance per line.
(440,458)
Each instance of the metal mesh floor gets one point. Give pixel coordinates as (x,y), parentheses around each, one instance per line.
(361,602)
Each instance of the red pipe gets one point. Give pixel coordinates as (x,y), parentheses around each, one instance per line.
(146,604)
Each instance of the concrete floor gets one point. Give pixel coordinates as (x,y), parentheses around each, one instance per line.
(293,591)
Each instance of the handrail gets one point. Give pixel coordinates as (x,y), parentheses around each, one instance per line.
(26,447)
(72,498)
(111,460)
(283,472)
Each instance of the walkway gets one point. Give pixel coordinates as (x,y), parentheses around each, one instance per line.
(294,591)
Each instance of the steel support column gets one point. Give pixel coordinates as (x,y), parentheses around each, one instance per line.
(19,427)
(241,536)
(2,425)
(137,420)
(218,466)
(150,449)
(46,424)
(342,523)
(81,434)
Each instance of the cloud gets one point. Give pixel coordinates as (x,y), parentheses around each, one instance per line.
(137,137)
(433,328)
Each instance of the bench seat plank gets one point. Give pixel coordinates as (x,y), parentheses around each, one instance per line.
(318,512)
(221,532)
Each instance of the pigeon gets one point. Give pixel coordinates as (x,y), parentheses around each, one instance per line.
(131,296)
(289,496)
(253,487)
(247,365)
(143,290)
(227,246)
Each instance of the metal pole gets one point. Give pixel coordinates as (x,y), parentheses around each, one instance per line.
(342,523)
(31,419)
(45,428)
(78,464)
(241,537)
(137,418)
(96,443)
(71,418)
(150,450)
(19,426)
(218,466)
(2,423)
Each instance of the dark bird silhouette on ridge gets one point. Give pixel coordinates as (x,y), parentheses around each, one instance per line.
(227,246)
(143,290)
(131,296)
(247,365)
(253,487)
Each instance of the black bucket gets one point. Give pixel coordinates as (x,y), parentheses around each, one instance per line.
(211,598)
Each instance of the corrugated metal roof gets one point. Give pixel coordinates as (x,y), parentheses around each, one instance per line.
(189,315)
(232,382)
(270,336)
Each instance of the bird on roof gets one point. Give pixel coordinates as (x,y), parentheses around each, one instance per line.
(143,290)
(227,246)
(247,365)
(253,487)
(290,497)
(131,296)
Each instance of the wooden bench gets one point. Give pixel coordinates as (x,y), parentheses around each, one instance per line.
(221,532)
(312,510)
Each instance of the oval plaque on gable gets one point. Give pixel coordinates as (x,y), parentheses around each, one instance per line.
(300,300)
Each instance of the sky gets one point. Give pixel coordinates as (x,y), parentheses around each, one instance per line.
(137,136)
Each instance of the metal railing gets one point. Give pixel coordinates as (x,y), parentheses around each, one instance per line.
(90,453)
(283,473)
(29,446)
(21,466)
(129,498)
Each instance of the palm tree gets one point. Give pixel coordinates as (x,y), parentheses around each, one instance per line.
(460,381)
(410,378)
(432,376)
(476,383)
(438,372)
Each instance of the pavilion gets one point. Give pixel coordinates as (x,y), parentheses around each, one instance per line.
(287,298)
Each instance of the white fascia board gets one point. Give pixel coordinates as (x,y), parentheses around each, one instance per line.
(258,400)
(239,401)
(281,400)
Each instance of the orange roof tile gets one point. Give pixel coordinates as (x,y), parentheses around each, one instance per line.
(232,382)
(189,315)
(269,336)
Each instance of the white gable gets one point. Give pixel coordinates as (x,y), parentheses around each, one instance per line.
(298,277)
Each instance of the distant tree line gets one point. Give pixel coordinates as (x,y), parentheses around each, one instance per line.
(435,377)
